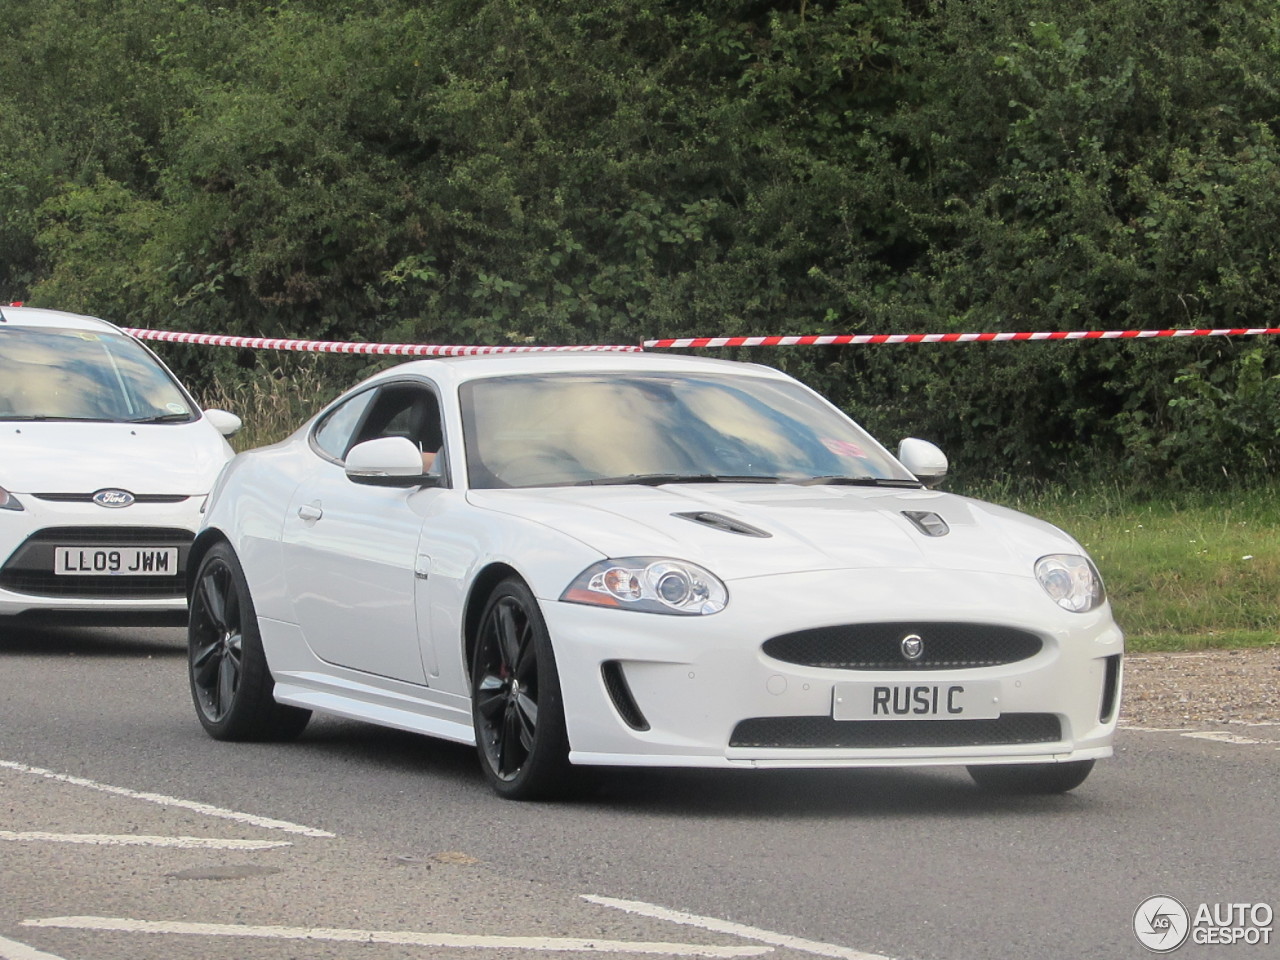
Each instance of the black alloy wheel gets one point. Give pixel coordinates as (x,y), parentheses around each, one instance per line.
(231,684)
(515,697)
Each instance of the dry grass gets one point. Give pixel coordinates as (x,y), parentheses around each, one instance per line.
(275,403)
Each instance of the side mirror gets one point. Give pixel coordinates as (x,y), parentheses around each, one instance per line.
(386,462)
(924,460)
(227,424)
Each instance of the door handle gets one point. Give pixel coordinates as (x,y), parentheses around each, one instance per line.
(310,511)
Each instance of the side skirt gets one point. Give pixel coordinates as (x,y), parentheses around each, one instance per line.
(374,705)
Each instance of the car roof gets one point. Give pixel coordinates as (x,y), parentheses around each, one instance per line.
(55,319)
(484,366)
(458,369)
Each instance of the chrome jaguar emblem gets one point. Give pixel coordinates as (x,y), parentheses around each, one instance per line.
(912,647)
(113,498)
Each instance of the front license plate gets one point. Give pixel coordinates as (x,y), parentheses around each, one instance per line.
(962,700)
(115,561)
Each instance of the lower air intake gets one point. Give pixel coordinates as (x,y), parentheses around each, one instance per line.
(824,732)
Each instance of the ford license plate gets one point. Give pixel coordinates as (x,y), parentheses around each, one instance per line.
(115,561)
(961,700)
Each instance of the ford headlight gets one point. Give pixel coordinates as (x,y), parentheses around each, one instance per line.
(1071,581)
(650,585)
(8,501)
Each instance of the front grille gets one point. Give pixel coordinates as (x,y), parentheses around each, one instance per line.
(30,569)
(824,732)
(88,497)
(878,646)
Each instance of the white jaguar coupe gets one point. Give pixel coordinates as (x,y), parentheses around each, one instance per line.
(637,559)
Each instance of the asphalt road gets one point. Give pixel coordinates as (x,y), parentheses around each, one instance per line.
(126,833)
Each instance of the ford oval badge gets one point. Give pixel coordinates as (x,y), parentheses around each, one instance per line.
(113,498)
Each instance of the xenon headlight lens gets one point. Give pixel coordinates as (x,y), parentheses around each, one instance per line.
(1071,581)
(651,585)
(8,501)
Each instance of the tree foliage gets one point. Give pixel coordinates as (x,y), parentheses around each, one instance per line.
(558,171)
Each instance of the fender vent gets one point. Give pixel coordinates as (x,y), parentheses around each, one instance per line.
(616,683)
(718,521)
(1110,688)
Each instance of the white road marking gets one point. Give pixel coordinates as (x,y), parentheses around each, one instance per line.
(736,929)
(1125,726)
(1219,736)
(13,950)
(403,938)
(138,840)
(207,809)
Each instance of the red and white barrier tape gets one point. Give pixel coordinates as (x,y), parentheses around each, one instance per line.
(380,349)
(860,338)
(818,340)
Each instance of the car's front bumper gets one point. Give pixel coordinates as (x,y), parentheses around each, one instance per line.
(29,537)
(700,691)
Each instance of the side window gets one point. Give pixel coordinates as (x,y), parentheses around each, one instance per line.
(333,435)
(405,410)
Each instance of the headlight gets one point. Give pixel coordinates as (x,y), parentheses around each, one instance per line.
(1071,581)
(651,585)
(8,501)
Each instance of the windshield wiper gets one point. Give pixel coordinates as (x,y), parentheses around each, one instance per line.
(162,418)
(857,482)
(41,418)
(658,479)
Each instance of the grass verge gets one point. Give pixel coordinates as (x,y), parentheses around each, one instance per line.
(1186,571)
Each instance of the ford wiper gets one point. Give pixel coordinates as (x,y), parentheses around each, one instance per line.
(41,418)
(857,482)
(658,479)
(162,418)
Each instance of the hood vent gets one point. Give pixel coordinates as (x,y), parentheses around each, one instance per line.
(927,522)
(718,521)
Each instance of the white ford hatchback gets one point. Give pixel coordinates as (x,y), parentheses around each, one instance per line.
(105,462)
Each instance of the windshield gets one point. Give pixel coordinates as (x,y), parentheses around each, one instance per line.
(661,428)
(52,374)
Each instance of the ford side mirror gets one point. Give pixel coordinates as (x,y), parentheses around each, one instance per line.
(227,424)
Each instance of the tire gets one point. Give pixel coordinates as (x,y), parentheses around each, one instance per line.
(231,684)
(1029,778)
(516,704)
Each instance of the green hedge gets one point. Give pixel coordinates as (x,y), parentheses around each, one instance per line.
(560,171)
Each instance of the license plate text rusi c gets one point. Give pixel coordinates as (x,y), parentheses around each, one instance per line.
(967,700)
(899,701)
